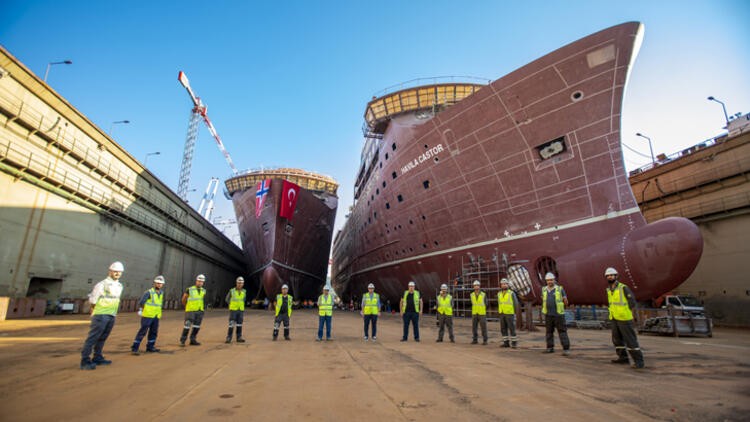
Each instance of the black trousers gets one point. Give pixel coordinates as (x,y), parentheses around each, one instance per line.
(552,322)
(623,336)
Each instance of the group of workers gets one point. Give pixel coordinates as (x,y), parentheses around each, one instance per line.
(105,300)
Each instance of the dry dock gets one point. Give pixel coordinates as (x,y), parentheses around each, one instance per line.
(686,379)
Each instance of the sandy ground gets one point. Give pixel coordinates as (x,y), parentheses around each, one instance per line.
(686,379)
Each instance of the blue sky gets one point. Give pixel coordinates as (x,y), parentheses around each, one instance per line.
(286,82)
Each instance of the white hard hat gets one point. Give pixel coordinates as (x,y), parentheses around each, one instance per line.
(411,283)
(201,277)
(476,283)
(443,287)
(549,276)
(504,281)
(159,279)
(610,271)
(117,266)
(240,280)
(370,286)
(326,287)
(284,287)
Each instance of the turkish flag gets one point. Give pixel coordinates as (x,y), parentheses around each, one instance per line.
(289,194)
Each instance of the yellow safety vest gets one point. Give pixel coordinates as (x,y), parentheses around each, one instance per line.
(618,304)
(152,307)
(195,299)
(416,301)
(505,303)
(237,301)
(558,300)
(325,306)
(444,305)
(279,298)
(371,304)
(478,306)
(107,303)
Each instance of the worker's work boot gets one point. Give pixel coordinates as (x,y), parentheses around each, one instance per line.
(286,334)
(637,356)
(549,350)
(240,340)
(506,343)
(194,342)
(193,336)
(153,350)
(87,365)
(275,334)
(184,335)
(228,340)
(513,344)
(229,334)
(621,360)
(101,361)
(239,335)
(474,341)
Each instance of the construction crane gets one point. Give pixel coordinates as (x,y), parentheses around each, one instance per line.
(199,111)
(207,203)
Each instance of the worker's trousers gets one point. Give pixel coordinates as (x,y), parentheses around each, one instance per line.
(235,320)
(152,326)
(443,322)
(101,326)
(281,319)
(374,320)
(623,335)
(479,320)
(412,317)
(193,319)
(324,320)
(552,322)
(508,328)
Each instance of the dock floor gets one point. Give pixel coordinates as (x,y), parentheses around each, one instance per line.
(685,379)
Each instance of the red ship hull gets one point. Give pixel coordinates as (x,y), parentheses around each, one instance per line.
(282,251)
(527,175)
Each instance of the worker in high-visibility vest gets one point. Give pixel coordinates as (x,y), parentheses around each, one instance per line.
(445,314)
(105,301)
(478,313)
(507,303)
(621,303)
(411,308)
(236,300)
(325,312)
(194,302)
(283,306)
(370,311)
(554,301)
(149,308)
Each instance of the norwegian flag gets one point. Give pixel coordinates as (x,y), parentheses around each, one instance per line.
(260,196)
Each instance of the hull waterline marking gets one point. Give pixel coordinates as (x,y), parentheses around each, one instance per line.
(584,222)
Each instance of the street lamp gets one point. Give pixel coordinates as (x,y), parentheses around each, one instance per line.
(116,123)
(723,107)
(650,147)
(46,73)
(145,161)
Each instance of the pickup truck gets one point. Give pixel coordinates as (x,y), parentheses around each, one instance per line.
(685,303)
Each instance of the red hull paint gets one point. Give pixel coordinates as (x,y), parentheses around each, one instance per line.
(530,166)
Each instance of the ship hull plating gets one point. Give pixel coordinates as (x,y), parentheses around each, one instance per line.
(525,175)
(281,251)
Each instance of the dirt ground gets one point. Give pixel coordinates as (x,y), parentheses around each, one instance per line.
(686,379)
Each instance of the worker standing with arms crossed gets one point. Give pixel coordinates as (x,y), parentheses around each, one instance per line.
(283,305)
(621,302)
(236,300)
(105,300)
(370,311)
(478,313)
(506,308)
(445,314)
(193,300)
(554,301)
(411,309)
(149,308)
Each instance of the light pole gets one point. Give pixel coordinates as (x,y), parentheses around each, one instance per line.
(723,107)
(145,161)
(112,126)
(46,73)
(650,147)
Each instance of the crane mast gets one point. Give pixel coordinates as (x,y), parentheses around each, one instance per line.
(199,112)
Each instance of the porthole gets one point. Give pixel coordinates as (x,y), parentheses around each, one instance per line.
(393,146)
(400,198)
(576,96)
(436,159)
(383,183)
(387,205)
(393,175)
(426,184)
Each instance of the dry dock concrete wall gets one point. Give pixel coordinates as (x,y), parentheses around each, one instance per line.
(72,201)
